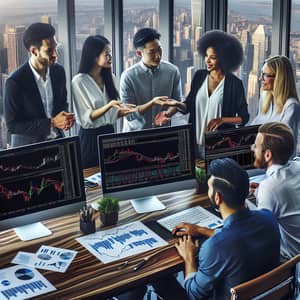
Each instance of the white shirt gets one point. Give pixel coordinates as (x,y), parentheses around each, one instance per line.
(88,97)
(45,89)
(280,193)
(290,116)
(139,84)
(207,107)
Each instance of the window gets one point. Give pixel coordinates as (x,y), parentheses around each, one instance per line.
(295,41)
(251,23)
(15,17)
(295,49)
(89,20)
(188,28)
(137,14)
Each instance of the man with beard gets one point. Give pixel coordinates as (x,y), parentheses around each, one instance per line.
(280,191)
(35,100)
(247,246)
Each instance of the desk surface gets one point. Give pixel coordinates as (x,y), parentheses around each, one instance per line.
(87,276)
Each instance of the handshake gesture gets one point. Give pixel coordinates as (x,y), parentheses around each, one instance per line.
(164,117)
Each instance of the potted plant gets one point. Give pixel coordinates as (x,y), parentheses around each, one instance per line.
(109,210)
(201,182)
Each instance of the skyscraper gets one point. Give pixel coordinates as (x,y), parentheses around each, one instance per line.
(46,19)
(259,51)
(16,52)
(196,8)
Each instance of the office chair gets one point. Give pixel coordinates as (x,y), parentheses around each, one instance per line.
(278,284)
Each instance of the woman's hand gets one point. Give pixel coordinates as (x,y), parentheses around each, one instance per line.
(115,103)
(126,109)
(214,124)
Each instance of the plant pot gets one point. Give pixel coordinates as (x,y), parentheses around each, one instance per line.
(109,219)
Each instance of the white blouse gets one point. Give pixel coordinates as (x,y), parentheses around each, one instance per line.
(87,97)
(290,115)
(207,107)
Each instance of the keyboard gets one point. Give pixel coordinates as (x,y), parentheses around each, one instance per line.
(195,215)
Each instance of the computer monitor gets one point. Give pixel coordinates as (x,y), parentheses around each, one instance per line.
(38,182)
(234,143)
(139,165)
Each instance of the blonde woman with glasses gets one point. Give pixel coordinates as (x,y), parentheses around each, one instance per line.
(279,100)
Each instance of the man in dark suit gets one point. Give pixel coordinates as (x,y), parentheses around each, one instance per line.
(35,99)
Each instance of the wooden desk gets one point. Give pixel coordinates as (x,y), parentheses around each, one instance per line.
(87,276)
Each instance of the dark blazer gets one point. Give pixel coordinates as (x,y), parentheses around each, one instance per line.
(23,107)
(234,100)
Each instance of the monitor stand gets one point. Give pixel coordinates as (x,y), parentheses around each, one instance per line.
(32,231)
(147,204)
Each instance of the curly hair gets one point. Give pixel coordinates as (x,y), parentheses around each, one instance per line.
(228,48)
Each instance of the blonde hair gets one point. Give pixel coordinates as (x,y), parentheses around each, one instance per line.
(284,83)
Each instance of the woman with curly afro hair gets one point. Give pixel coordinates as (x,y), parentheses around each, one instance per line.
(217,98)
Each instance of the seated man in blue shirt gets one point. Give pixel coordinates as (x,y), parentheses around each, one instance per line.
(280,190)
(247,246)
(150,84)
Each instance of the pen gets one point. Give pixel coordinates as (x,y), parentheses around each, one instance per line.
(140,264)
(123,265)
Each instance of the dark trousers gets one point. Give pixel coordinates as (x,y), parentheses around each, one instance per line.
(168,288)
(89,146)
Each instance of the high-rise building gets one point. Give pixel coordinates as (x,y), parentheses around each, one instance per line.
(46,19)
(155,20)
(196,8)
(189,76)
(248,57)
(259,49)
(253,95)
(177,38)
(16,52)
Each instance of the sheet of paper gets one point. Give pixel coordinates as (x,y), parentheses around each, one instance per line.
(96,178)
(22,282)
(122,241)
(47,258)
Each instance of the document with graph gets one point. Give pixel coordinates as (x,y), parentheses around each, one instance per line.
(121,241)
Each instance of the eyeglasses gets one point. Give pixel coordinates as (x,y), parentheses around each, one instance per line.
(266,76)
(254,146)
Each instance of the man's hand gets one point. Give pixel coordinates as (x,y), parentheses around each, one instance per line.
(214,124)
(63,120)
(161,119)
(161,100)
(193,230)
(252,187)
(187,249)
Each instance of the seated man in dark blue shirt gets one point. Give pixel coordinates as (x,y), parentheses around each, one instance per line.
(247,246)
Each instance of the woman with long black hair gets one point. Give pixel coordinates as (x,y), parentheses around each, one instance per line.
(97,104)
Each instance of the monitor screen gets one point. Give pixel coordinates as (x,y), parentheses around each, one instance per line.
(147,162)
(234,143)
(40,181)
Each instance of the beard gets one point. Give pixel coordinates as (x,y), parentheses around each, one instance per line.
(213,202)
(260,163)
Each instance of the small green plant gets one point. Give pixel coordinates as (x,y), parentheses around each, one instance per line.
(200,175)
(108,205)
